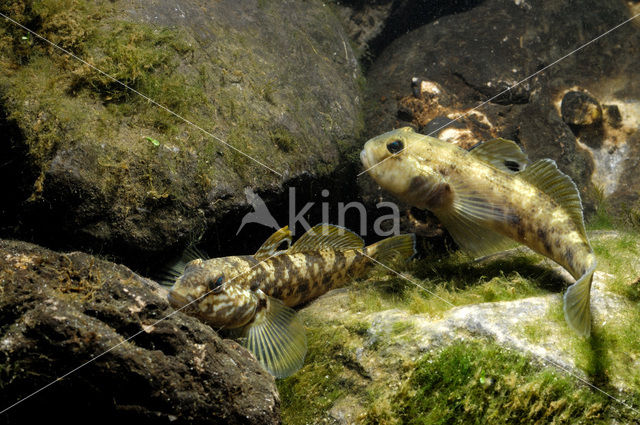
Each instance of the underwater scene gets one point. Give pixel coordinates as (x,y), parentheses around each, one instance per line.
(304,212)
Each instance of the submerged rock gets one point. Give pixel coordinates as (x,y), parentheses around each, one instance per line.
(357,342)
(373,25)
(60,311)
(580,108)
(96,166)
(478,56)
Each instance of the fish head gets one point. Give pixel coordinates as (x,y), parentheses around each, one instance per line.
(215,292)
(405,163)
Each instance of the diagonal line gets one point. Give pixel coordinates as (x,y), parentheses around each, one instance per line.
(406,278)
(515,85)
(140,94)
(559,366)
(144,329)
(590,384)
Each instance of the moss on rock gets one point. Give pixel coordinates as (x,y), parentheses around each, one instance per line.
(285,98)
(474,383)
(386,351)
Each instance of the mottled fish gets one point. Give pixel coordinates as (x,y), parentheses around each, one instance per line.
(254,294)
(488,196)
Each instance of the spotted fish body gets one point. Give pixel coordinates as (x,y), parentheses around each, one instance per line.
(301,277)
(255,293)
(488,197)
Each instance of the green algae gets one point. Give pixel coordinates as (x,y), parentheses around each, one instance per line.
(283,139)
(326,375)
(224,85)
(475,383)
(437,284)
(618,254)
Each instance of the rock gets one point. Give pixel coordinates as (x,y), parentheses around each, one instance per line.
(60,311)
(97,166)
(579,108)
(363,22)
(612,114)
(502,322)
(478,56)
(369,340)
(372,25)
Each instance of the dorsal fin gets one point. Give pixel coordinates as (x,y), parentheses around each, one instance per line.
(502,154)
(544,174)
(327,236)
(270,246)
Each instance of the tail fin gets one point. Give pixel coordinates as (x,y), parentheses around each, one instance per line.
(577,303)
(401,246)
(168,274)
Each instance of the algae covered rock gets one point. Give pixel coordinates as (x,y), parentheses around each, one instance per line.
(462,341)
(60,311)
(96,165)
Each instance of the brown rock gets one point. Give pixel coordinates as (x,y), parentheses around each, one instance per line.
(60,311)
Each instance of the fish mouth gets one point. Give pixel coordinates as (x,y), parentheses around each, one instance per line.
(365,159)
(176,300)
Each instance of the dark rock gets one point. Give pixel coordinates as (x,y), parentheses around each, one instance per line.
(363,22)
(439,123)
(612,114)
(59,311)
(487,61)
(97,167)
(580,108)
(404,113)
(372,25)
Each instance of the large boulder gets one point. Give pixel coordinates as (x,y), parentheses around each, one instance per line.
(123,352)
(457,341)
(471,59)
(95,165)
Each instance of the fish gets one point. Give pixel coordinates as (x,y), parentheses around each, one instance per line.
(489,198)
(254,295)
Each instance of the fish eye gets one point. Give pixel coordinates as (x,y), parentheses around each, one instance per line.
(215,284)
(395,146)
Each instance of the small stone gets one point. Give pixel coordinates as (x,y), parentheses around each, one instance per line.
(612,115)
(580,108)
(438,124)
(424,88)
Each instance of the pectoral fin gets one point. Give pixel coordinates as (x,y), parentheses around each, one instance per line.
(277,339)
(475,239)
(469,219)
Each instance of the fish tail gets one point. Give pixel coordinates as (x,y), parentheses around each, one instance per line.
(577,303)
(400,246)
